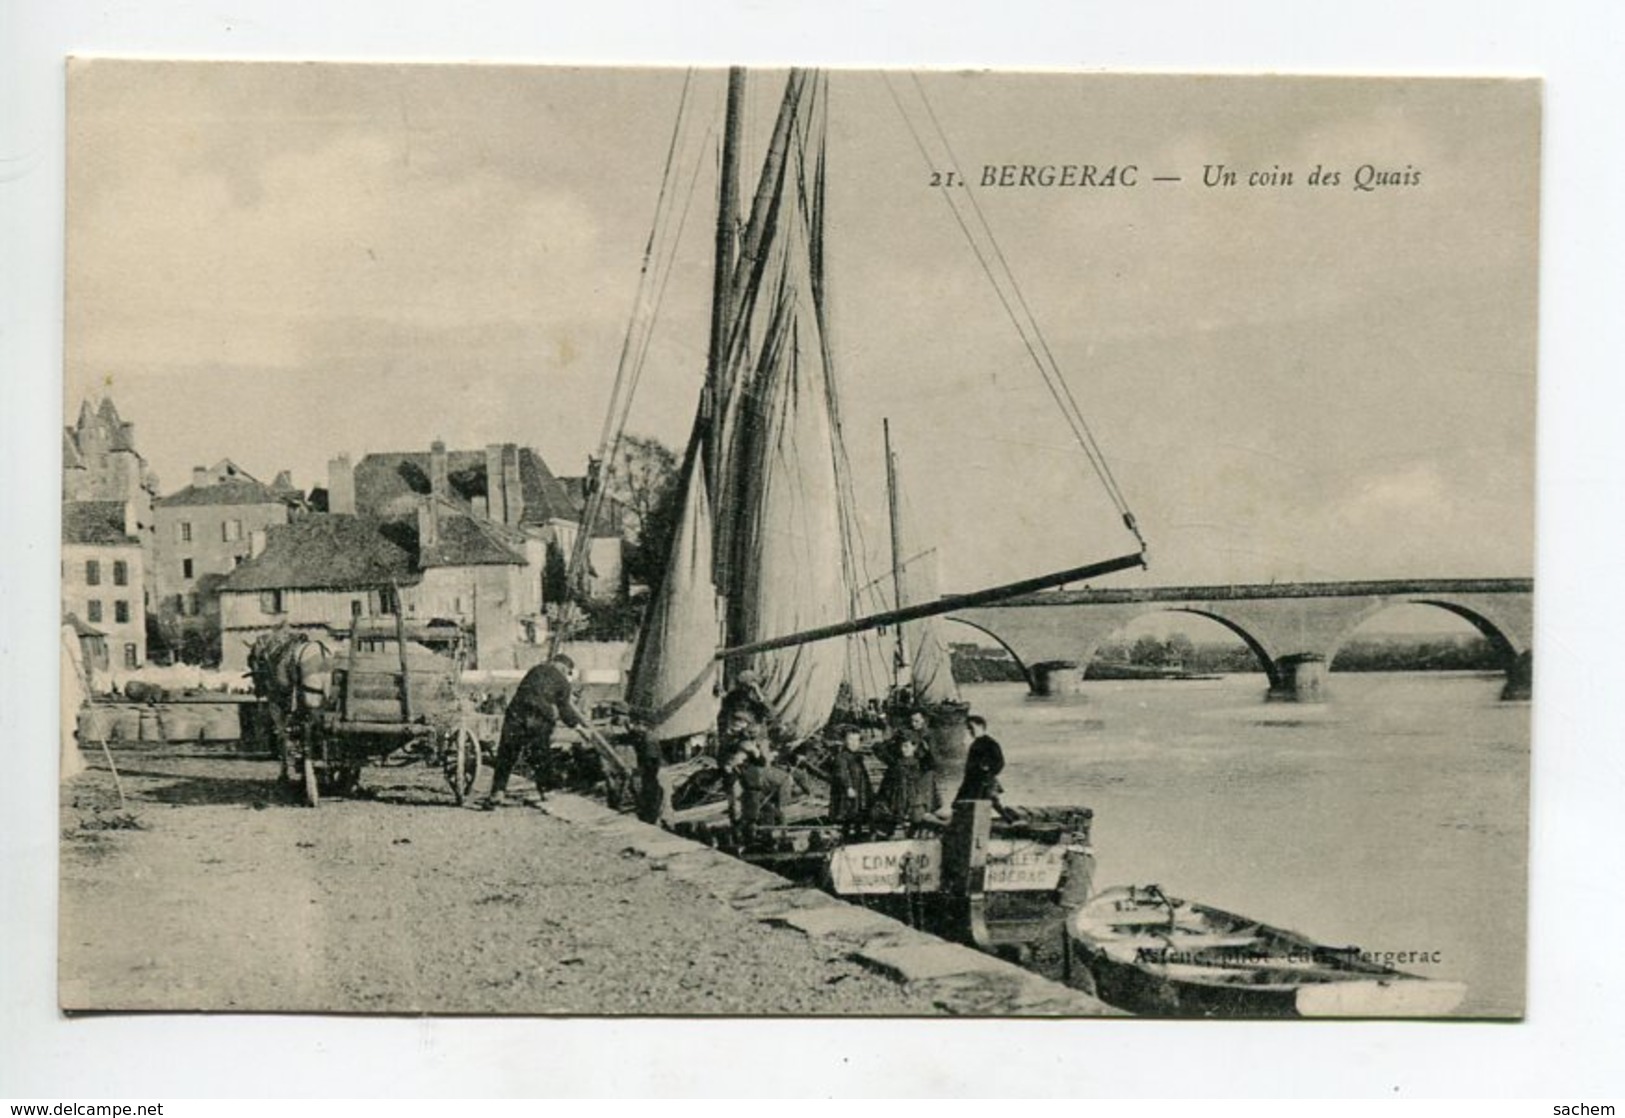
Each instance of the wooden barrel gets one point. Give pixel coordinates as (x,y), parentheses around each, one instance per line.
(120,723)
(179,724)
(93,725)
(220,722)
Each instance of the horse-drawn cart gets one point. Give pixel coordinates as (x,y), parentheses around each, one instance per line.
(394,691)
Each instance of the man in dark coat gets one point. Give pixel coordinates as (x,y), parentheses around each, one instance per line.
(756,793)
(543,699)
(745,696)
(984,761)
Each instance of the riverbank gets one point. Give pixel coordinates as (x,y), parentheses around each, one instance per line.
(210,890)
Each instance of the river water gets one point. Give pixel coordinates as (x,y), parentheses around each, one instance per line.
(1393,816)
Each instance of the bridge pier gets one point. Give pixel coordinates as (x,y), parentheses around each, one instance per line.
(1055,678)
(1299,678)
(1520,684)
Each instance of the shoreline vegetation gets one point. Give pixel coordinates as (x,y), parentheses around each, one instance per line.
(1179,657)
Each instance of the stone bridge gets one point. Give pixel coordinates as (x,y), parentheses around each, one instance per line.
(1293,628)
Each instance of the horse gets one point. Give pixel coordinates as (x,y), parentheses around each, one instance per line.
(292,672)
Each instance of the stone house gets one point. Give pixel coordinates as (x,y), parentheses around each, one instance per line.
(102,577)
(100,463)
(323,572)
(505,484)
(204,532)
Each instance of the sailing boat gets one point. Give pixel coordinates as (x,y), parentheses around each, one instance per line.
(764,568)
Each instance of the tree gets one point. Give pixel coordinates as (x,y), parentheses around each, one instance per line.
(555,576)
(1149,652)
(644,481)
(644,472)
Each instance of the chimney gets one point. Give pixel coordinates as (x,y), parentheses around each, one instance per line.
(439,482)
(256,543)
(340,485)
(200,476)
(513,493)
(428,524)
(494,501)
(132,526)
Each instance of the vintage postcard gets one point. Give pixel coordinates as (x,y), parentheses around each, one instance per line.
(644,541)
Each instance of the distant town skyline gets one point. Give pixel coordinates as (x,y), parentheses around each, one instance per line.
(279,263)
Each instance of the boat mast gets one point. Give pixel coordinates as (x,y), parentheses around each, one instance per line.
(713,401)
(722,294)
(730,554)
(900,658)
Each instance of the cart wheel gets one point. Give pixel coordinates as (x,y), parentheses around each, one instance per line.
(462,763)
(313,795)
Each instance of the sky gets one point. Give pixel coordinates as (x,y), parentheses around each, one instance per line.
(278,263)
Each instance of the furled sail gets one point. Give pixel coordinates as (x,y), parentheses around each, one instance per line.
(672,685)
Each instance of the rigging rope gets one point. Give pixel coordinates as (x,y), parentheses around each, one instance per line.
(659,256)
(999,274)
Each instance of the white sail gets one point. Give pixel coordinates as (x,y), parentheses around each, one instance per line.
(788,574)
(672,687)
(930,664)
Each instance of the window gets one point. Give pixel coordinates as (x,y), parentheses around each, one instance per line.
(237,560)
(93,610)
(270,601)
(186,568)
(121,612)
(121,573)
(93,572)
(129,656)
(355,607)
(191,605)
(183,531)
(231,531)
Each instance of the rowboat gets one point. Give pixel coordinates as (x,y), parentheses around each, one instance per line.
(1144,951)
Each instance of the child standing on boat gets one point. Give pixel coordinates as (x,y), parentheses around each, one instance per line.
(851,793)
(908,791)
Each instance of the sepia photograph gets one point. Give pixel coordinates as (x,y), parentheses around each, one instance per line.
(546,540)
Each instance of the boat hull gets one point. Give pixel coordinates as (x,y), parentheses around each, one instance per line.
(1157,956)
(1036,868)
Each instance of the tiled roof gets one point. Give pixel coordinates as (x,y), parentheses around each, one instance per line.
(117,430)
(466,541)
(546,497)
(329,552)
(387,484)
(71,458)
(234,492)
(95,522)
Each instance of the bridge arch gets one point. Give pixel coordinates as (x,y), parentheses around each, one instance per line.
(1497,633)
(998,640)
(1265,660)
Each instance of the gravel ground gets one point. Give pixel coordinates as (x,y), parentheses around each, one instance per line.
(215,891)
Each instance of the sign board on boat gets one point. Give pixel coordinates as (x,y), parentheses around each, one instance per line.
(915,865)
